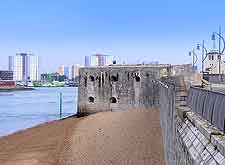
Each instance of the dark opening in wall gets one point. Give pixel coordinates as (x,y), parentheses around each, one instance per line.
(137,78)
(91,99)
(103,79)
(92,78)
(114,78)
(99,82)
(113,100)
(85,81)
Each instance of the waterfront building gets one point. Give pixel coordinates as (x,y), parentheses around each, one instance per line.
(61,70)
(25,67)
(74,72)
(87,61)
(6,75)
(7,84)
(10,63)
(212,63)
(50,77)
(98,60)
(77,67)
(64,71)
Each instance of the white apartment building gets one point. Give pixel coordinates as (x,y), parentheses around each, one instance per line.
(25,67)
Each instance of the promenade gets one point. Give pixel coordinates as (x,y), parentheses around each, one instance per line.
(125,137)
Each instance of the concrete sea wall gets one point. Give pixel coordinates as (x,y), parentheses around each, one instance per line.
(189,139)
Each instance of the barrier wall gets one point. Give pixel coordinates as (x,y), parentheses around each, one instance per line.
(215,78)
(209,104)
(167,119)
(188,138)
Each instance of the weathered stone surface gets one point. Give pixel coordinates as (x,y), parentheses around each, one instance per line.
(115,88)
(189,139)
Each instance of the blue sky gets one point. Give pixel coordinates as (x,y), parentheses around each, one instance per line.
(64,31)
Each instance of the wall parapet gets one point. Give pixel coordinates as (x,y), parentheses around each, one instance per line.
(209,104)
(193,139)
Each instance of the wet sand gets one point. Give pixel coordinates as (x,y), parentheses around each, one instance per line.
(130,137)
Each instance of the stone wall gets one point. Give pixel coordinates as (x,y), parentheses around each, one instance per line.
(192,119)
(113,88)
(189,139)
(215,78)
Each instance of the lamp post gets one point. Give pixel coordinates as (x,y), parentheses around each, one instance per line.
(194,57)
(204,53)
(220,52)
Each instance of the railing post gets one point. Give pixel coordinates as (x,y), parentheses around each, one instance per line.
(60,105)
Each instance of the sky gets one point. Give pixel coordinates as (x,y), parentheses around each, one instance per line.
(64,31)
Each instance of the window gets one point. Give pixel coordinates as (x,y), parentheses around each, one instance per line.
(91,99)
(113,100)
(211,57)
(218,57)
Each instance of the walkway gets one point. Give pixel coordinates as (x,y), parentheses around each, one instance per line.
(131,137)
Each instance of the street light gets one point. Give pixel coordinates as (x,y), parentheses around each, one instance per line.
(194,57)
(220,52)
(204,53)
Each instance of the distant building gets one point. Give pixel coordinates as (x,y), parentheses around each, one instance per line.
(6,79)
(50,77)
(61,70)
(77,67)
(154,62)
(87,61)
(7,84)
(6,75)
(212,63)
(11,63)
(74,71)
(98,60)
(25,67)
(64,71)
(182,69)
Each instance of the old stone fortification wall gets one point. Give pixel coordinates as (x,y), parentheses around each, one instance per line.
(188,137)
(192,119)
(115,88)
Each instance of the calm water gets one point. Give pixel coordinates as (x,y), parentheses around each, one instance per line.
(24,109)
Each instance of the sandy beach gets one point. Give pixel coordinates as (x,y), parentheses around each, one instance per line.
(128,137)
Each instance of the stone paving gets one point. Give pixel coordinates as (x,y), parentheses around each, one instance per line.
(126,137)
(130,137)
